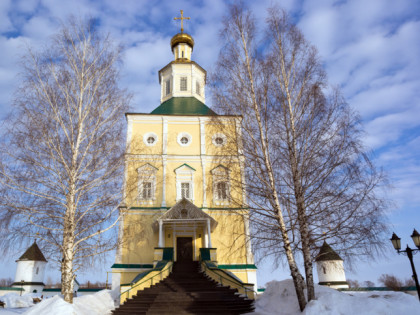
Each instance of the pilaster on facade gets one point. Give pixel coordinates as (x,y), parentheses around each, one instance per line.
(203,168)
(202,137)
(164,163)
(164,135)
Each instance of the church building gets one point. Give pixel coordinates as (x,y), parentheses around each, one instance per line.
(183,181)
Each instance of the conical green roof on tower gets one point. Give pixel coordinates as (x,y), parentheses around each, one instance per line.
(33,253)
(327,253)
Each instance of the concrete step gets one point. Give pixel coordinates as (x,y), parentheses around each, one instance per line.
(186,291)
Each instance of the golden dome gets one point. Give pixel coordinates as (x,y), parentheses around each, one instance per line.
(182,38)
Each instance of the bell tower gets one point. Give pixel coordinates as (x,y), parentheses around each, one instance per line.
(182,77)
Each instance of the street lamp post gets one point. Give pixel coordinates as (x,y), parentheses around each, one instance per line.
(396,242)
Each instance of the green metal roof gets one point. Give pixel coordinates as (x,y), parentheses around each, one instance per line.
(183,106)
(327,253)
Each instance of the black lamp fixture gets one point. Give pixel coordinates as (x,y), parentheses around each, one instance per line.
(396,242)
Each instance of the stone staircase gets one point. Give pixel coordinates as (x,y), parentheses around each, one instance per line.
(186,291)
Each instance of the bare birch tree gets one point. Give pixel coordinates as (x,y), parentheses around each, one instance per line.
(239,80)
(308,175)
(62,150)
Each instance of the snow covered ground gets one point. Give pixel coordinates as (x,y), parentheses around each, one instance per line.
(100,303)
(279,298)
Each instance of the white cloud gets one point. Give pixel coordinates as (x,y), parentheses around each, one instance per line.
(5,23)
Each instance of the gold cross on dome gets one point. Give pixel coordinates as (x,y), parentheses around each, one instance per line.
(182,18)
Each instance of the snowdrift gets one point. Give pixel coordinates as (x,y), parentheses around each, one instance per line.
(280,298)
(100,303)
(14,300)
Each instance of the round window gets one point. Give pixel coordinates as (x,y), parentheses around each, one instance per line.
(219,139)
(184,139)
(150,139)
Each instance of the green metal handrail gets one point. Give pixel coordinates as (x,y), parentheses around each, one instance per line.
(241,284)
(150,279)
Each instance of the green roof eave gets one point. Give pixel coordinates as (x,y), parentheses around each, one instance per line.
(183,106)
(132,266)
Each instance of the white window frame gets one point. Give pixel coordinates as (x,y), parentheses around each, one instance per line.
(197,87)
(183,84)
(219,135)
(184,135)
(221,174)
(167,87)
(146,174)
(184,175)
(147,190)
(147,136)
(224,191)
(185,186)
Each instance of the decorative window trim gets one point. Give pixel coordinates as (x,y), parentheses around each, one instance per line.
(221,174)
(183,84)
(216,136)
(184,175)
(146,174)
(225,191)
(147,136)
(187,186)
(184,135)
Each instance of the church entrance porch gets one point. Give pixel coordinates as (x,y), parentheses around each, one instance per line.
(186,228)
(184,247)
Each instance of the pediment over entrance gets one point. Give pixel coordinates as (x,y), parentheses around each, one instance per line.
(186,210)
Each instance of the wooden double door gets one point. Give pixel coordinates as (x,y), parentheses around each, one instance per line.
(184,249)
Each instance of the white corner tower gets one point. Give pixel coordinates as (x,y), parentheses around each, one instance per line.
(30,270)
(330,268)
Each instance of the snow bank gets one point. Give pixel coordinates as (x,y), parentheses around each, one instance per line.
(13,300)
(99,303)
(280,298)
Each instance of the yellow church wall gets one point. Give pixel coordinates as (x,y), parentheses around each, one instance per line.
(139,237)
(174,130)
(226,127)
(228,237)
(127,277)
(139,129)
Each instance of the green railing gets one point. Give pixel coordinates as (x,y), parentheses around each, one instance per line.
(146,283)
(227,280)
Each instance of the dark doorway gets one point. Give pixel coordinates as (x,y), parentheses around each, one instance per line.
(184,249)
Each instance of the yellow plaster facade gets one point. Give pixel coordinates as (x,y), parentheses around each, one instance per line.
(183,154)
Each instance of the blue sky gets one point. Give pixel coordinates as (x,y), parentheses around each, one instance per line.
(371,49)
